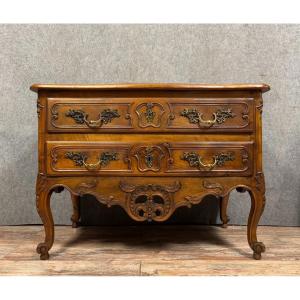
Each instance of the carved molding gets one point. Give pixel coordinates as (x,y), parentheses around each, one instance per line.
(89,187)
(150,201)
(54,114)
(192,200)
(213,186)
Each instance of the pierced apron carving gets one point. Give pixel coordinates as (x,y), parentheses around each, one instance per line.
(150,201)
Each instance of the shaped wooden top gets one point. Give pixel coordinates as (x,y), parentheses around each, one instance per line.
(152,86)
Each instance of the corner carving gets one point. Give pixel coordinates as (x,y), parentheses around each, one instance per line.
(260,105)
(39,108)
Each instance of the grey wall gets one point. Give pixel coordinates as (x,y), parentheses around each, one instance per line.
(149,53)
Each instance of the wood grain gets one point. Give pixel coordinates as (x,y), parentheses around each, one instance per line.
(149,250)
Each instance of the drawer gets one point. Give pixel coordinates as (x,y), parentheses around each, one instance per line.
(150,159)
(150,115)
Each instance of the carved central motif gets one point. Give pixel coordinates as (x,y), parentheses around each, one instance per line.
(149,158)
(150,201)
(149,114)
(80,159)
(81,117)
(195,160)
(219,117)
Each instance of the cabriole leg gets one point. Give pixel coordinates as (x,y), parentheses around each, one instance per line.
(43,195)
(257,207)
(223,210)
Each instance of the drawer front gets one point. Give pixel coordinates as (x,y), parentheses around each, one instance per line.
(163,159)
(78,158)
(150,115)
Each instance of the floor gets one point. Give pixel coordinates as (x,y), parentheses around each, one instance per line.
(149,250)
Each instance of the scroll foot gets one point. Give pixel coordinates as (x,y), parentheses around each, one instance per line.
(42,249)
(258,248)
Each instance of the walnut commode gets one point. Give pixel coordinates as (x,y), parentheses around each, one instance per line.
(150,148)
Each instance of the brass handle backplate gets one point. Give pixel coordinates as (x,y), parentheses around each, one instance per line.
(195,160)
(81,117)
(80,159)
(196,117)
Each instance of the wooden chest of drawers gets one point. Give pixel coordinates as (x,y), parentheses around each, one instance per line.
(150,148)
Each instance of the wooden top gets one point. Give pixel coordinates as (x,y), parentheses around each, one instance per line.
(151,86)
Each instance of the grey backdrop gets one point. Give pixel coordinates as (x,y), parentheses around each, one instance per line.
(149,53)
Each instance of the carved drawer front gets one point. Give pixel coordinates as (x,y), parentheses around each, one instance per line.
(162,159)
(88,115)
(90,158)
(150,115)
(211,159)
(209,115)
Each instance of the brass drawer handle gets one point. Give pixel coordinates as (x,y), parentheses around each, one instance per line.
(207,123)
(195,117)
(195,160)
(92,167)
(80,159)
(209,166)
(81,117)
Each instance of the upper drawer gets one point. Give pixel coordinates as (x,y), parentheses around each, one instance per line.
(150,115)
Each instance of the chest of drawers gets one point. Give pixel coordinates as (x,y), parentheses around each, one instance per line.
(150,148)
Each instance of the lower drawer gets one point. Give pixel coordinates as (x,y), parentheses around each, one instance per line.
(162,159)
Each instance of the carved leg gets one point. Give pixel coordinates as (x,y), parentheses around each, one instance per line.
(257,207)
(43,195)
(223,210)
(76,210)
